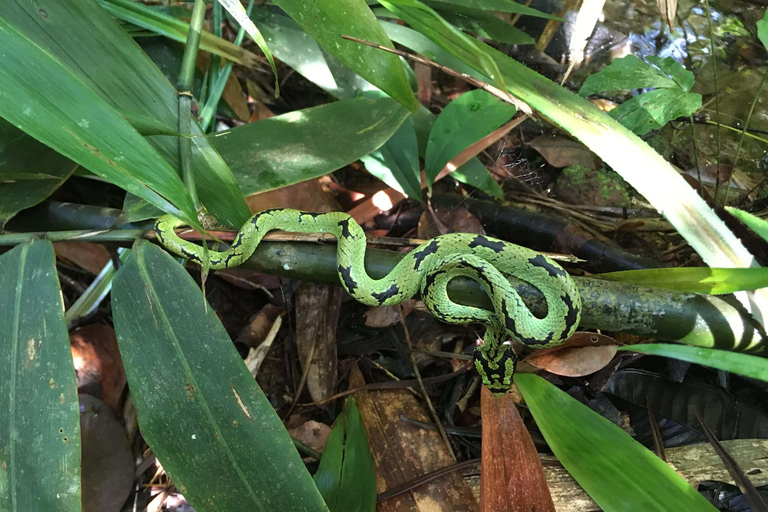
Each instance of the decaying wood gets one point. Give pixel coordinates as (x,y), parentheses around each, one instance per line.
(403,452)
(696,463)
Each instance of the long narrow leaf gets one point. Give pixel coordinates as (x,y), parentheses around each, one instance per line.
(713,281)
(734,362)
(198,406)
(40,420)
(44,99)
(619,473)
(640,165)
(84,39)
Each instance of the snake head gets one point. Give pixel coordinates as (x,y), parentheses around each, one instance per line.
(496,366)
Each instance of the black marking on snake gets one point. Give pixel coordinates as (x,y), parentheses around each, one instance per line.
(190,255)
(552,270)
(430,280)
(345,232)
(421,254)
(571,317)
(383,296)
(255,218)
(237,243)
(312,215)
(229,257)
(509,323)
(481,241)
(346,277)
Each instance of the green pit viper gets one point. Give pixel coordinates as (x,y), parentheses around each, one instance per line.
(427,269)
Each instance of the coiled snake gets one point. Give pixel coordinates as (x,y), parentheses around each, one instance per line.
(427,269)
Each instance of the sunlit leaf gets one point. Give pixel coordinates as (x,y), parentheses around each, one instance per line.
(619,473)
(464,121)
(734,362)
(708,280)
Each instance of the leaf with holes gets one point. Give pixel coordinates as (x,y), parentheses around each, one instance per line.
(40,423)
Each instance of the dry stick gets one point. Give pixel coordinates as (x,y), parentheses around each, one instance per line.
(504,96)
(423,479)
(423,389)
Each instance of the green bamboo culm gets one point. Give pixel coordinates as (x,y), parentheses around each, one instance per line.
(184,86)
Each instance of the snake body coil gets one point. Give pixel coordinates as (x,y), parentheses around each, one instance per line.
(427,269)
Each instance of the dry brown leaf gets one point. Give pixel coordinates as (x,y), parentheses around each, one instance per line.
(107,462)
(513,479)
(456,220)
(98,366)
(668,11)
(312,433)
(573,362)
(88,256)
(560,151)
(384,316)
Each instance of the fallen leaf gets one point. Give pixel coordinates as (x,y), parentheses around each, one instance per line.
(560,151)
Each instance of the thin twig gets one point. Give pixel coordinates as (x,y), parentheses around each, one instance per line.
(717,95)
(422,388)
(741,139)
(504,96)
(423,479)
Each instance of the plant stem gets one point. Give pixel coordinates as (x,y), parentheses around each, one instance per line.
(217,87)
(184,86)
(696,155)
(717,96)
(743,132)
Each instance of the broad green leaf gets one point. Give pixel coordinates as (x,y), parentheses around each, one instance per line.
(742,364)
(327,20)
(396,163)
(198,407)
(296,48)
(713,281)
(682,77)
(429,23)
(29,171)
(346,477)
(619,473)
(47,101)
(40,422)
(305,144)
(628,72)
(753,222)
(83,38)
(492,5)
(464,121)
(653,109)
(762,30)
(485,24)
